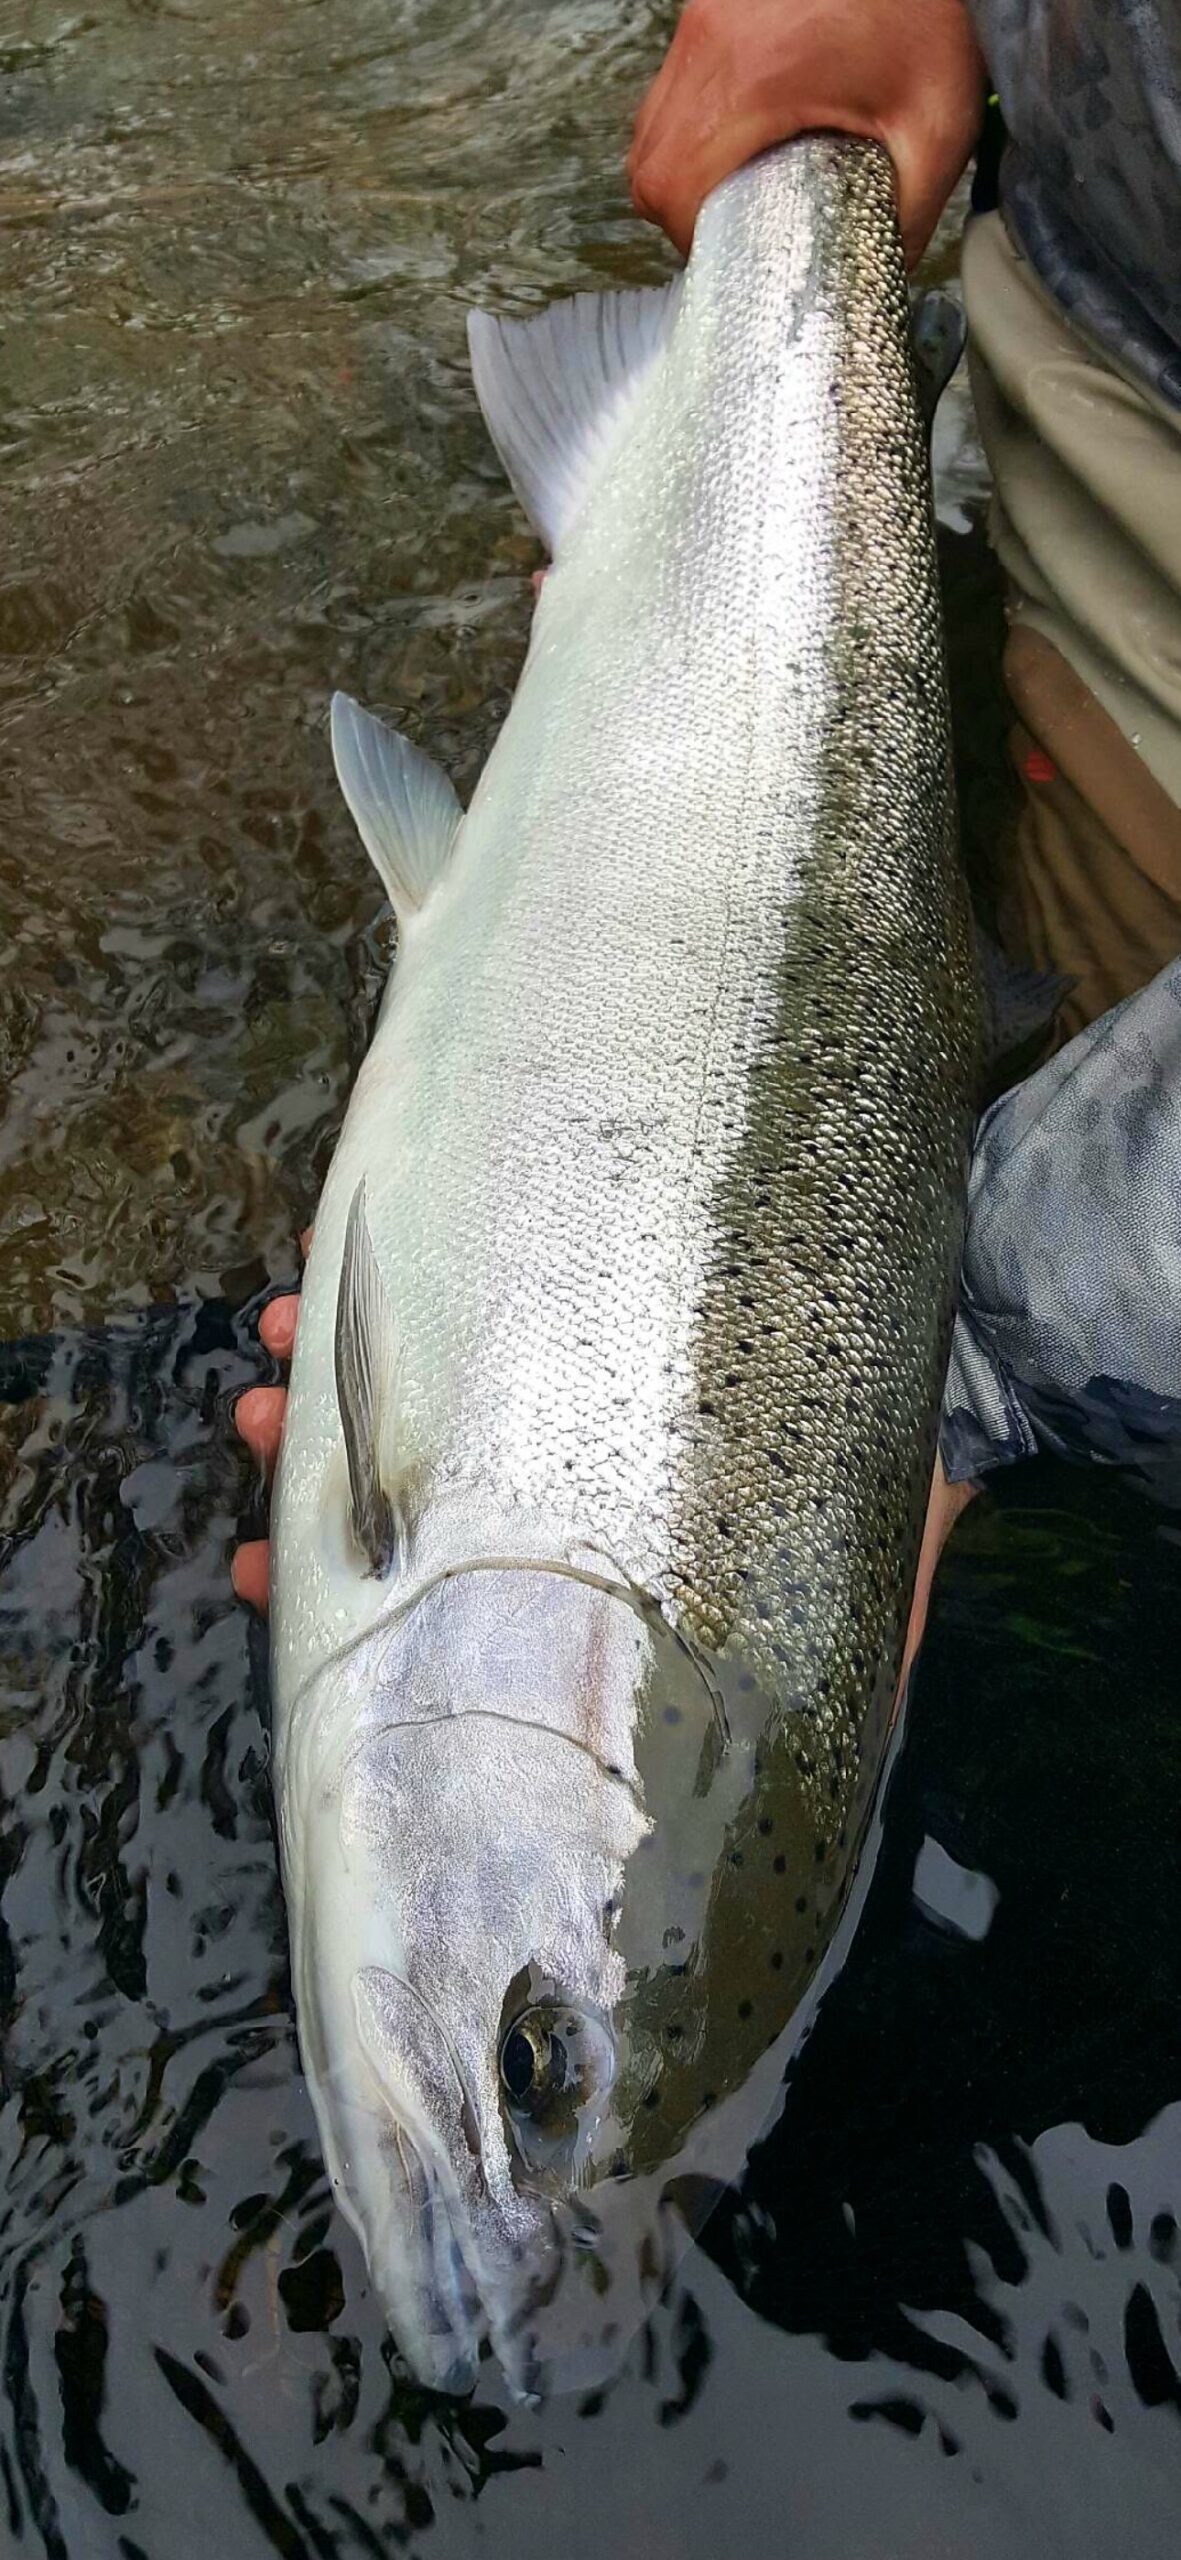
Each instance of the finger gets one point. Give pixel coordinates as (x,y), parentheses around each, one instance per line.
(277,1324)
(672,178)
(250,1573)
(944,1507)
(691,131)
(925,172)
(258,1419)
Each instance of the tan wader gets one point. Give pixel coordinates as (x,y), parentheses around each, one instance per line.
(1086,519)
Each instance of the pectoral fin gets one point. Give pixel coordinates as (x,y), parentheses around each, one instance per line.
(405,810)
(367,1380)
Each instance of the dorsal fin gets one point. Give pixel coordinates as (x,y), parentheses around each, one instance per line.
(404,808)
(556,391)
(367,1390)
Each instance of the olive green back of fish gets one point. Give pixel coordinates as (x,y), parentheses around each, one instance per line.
(823,1325)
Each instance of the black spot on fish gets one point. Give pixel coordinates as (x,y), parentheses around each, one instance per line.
(766,1826)
(779,1863)
(672,1715)
(801,1902)
(745,2008)
(652,2099)
(777,1961)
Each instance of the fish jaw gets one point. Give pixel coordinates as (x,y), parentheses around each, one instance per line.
(452,2254)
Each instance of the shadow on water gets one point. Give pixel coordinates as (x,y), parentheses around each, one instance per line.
(942,2314)
(242,464)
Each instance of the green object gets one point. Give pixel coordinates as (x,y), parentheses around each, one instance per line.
(989,153)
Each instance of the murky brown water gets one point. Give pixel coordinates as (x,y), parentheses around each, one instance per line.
(241,465)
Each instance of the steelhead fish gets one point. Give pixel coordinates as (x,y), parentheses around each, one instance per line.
(623,1333)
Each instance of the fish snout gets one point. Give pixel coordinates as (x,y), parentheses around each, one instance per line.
(459,2252)
(468,2250)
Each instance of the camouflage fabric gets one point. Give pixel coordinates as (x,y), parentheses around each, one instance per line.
(1067,1337)
(1090,185)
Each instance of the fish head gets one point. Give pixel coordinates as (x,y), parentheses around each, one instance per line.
(541,1932)
(468,1818)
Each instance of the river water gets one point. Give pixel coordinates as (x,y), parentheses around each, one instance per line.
(241,465)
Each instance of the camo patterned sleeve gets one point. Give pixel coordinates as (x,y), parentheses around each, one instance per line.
(1091,182)
(1067,1338)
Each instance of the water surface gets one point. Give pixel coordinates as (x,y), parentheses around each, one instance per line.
(241,465)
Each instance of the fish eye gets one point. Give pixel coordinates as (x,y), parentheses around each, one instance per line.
(556,2067)
(533,2062)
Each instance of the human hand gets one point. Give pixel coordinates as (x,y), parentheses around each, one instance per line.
(743,74)
(258,1418)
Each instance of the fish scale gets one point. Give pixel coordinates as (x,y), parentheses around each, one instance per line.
(650,1196)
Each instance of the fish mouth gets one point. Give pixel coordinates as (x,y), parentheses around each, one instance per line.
(399,2200)
(458,2288)
(535,2308)
(462,2284)
(457,2267)
(421,2271)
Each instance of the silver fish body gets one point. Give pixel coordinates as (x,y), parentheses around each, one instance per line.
(645,1218)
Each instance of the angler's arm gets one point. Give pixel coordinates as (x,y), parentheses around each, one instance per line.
(743,74)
